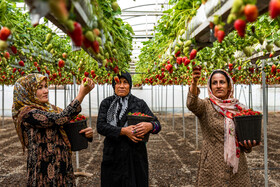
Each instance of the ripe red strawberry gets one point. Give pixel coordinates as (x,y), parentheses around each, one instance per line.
(278,70)
(61,63)
(38,68)
(86,42)
(54,75)
(169,67)
(22,73)
(84,79)
(240,26)
(77,34)
(178,53)
(14,49)
(92,72)
(5,33)
(7,55)
(220,35)
(179,60)
(21,63)
(274,8)
(86,74)
(59,73)
(251,12)
(193,54)
(48,72)
(116,78)
(14,70)
(239,68)
(116,69)
(35,64)
(95,46)
(3,77)
(187,62)
(273,69)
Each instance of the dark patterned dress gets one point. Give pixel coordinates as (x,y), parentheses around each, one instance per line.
(49,160)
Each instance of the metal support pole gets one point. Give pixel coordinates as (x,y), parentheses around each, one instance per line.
(103,91)
(196,133)
(155,98)
(166,105)
(99,137)
(183,112)
(89,116)
(274,98)
(3,106)
(152,97)
(250,96)
(173,110)
(161,107)
(265,120)
(55,95)
(158,104)
(64,96)
(77,152)
(235,91)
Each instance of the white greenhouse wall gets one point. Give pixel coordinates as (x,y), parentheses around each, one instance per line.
(159,92)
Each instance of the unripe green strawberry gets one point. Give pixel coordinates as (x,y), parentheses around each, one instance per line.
(182,31)
(231,18)
(236,6)
(114,52)
(49,47)
(70,25)
(248,51)
(115,6)
(48,37)
(216,19)
(269,47)
(188,43)
(3,45)
(277,43)
(107,55)
(101,50)
(186,50)
(90,36)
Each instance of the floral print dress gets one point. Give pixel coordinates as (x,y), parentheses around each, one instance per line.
(49,158)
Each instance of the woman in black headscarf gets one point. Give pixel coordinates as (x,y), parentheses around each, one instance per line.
(125,161)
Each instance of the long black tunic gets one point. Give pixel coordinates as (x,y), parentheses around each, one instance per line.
(125,163)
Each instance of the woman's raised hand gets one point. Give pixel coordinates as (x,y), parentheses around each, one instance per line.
(196,74)
(86,86)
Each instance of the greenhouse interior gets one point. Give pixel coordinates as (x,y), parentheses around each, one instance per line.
(201,76)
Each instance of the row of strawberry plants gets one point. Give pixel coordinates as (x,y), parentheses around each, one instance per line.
(177,67)
(31,48)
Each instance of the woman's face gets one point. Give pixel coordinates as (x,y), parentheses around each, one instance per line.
(43,92)
(219,86)
(122,87)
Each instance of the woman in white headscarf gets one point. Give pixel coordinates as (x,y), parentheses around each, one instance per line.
(222,160)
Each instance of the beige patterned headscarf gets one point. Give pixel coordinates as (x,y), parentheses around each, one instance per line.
(24,100)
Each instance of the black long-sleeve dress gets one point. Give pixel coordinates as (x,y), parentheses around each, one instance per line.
(125,163)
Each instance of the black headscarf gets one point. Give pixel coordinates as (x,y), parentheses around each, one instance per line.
(119,105)
(125,75)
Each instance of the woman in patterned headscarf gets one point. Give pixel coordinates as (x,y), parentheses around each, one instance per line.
(39,126)
(125,161)
(222,160)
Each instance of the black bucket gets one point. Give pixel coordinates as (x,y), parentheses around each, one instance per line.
(133,120)
(248,128)
(78,141)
